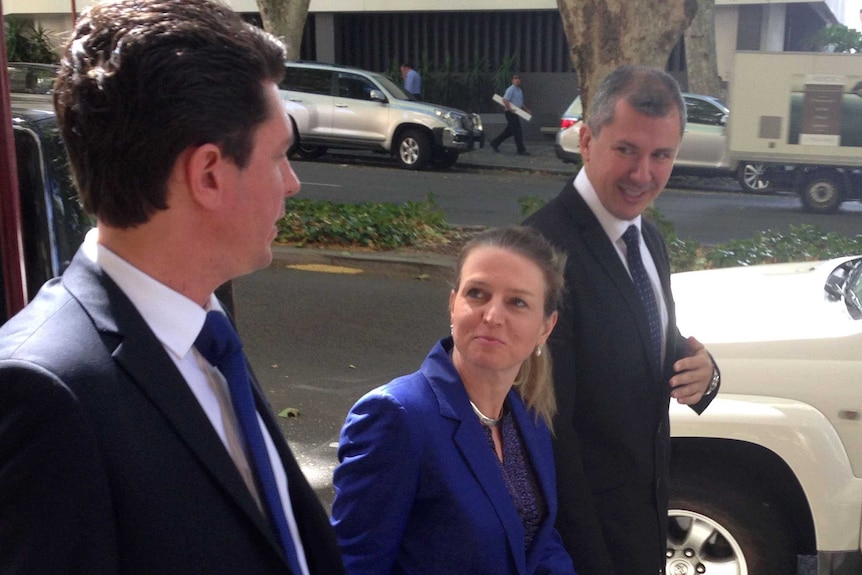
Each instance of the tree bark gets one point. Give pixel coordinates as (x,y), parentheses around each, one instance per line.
(286,20)
(604,34)
(700,57)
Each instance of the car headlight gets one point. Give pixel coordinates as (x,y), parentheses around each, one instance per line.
(451,119)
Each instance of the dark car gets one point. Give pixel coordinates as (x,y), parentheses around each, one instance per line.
(53,220)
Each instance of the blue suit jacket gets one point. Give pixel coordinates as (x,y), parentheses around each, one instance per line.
(419,490)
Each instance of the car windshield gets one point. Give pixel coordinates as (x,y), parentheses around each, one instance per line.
(391,87)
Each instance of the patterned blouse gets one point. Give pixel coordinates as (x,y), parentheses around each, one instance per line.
(519,477)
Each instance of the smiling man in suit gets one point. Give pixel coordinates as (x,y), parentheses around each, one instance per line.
(126,444)
(618,356)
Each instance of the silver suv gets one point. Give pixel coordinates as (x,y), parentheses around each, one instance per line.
(335,106)
(703,150)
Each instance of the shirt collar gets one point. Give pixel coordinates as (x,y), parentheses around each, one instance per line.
(613,226)
(174,319)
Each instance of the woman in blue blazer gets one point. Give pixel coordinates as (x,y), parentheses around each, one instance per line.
(450,470)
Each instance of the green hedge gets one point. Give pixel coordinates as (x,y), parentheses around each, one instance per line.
(368,225)
(384,226)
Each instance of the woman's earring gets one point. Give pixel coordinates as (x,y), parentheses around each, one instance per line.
(539,350)
(451,329)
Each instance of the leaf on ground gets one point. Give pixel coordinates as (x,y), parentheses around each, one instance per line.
(289,412)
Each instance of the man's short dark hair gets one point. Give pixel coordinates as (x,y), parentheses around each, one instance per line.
(648,90)
(143,80)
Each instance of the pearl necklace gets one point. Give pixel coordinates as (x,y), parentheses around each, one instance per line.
(484,419)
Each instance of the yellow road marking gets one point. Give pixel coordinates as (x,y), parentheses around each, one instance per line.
(325,268)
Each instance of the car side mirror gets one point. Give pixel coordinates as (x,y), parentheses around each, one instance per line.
(723,120)
(377,96)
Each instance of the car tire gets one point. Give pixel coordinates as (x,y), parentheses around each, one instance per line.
(823,192)
(413,150)
(754,178)
(444,159)
(725,526)
(309,152)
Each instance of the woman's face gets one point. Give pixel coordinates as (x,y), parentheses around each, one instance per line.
(497,313)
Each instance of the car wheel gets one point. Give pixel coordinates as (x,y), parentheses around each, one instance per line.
(754,178)
(413,150)
(725,528)
(444,159)
(822,193)
(308,152)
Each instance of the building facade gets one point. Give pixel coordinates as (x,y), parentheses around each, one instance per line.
(460,36)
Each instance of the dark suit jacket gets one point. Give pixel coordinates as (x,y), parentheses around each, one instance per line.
(108,464)
(612,431)
(419,489)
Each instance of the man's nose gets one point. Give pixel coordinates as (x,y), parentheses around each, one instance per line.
(291,180)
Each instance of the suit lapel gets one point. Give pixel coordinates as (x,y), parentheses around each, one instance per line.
(137,351)
(471,442)
(606,257)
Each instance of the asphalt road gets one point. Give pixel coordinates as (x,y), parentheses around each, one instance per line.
(708,210)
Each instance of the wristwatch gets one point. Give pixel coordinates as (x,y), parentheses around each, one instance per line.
(713,383)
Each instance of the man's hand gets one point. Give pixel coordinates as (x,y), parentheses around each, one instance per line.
(693,374)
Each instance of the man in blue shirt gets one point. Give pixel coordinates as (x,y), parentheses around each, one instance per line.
(513,96)
(412,80)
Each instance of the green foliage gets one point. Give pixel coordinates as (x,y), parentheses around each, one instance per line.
(529,204)
(367,225)
(838,37)
(503,76)
(384,226)
(28,43)
(800,243)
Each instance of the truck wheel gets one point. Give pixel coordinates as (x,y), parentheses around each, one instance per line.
(822,193)
(413,150)
(723,528)
(308,152)
(754,178)
(443,158)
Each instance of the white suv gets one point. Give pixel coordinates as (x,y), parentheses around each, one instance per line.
(335,106)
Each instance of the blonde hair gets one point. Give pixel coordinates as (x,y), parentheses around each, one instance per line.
(534,382)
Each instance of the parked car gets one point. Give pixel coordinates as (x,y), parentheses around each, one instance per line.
(773,468)
(341,107)
(703,150)
(53,221)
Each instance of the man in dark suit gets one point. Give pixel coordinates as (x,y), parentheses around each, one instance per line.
(120,450)
(618,356)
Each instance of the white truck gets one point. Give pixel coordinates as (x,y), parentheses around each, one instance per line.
(800,113)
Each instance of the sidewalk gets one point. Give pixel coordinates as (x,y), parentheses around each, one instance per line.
(542,158)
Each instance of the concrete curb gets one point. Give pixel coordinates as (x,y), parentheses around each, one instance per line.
(396,262)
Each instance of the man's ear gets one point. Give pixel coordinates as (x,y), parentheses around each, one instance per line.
(585,138)
(205,176)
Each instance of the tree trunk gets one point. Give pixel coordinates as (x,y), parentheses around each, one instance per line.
(603,34)
(286,20)
(700,57)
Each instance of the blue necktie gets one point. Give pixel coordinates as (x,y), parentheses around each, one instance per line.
(219,343)
(644,289)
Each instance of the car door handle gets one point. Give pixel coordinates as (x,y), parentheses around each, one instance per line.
(342,106)
(295,99)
